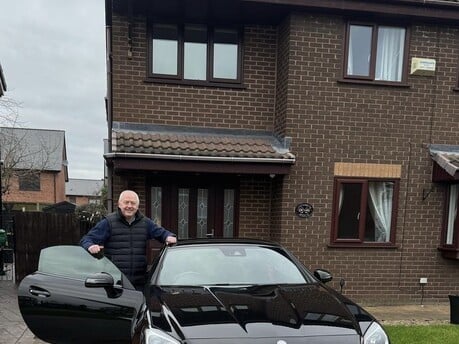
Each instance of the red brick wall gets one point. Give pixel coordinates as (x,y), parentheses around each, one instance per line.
(52,190)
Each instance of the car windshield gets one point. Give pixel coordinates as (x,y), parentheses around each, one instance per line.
(227,265)
(74,262)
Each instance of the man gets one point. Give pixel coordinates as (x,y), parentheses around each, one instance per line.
(123,235)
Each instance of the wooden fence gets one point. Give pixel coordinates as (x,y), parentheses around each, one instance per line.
(36,230)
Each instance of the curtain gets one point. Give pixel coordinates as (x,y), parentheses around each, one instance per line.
(452,213)
(389,57)
(380,202)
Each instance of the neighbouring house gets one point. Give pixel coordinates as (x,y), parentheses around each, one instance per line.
(83,191)
(2,82)
(328,126)
(34,167)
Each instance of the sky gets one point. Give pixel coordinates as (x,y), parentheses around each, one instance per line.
(53,57)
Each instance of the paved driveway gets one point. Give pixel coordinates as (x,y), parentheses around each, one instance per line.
(13,330)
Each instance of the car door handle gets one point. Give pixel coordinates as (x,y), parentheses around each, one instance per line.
(39,293)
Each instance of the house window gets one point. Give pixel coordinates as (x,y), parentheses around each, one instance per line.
(452,221)
(29,182)
(195,53)
(375,52)
(364,211)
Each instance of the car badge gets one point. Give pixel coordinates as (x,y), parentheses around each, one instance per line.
(281,342)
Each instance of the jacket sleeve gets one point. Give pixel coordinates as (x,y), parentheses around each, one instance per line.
(157,232)
(96,235)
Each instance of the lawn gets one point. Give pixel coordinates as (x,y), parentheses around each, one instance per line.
(423,334)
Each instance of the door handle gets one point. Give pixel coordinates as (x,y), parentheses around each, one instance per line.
(39,293)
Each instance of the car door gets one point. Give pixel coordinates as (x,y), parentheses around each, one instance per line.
(74,297)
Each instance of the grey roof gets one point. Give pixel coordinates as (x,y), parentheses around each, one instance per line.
(447,156)
(39,149)
(83,187)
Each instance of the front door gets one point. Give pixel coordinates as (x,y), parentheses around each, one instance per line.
(196,207)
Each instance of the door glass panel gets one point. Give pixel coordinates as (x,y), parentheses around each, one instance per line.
(183,211)
(156,198)
(228,213)
(202,206)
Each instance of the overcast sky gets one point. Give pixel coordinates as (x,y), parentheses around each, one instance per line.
(53,58)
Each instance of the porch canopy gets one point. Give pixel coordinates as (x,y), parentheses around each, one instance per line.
(186,149)
(446,162)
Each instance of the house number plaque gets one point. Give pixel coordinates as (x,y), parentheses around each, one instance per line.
(304,210)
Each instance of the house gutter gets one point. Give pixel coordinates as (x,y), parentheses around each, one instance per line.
(199,158)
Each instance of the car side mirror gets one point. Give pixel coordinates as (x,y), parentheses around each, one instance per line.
(99,280)
(323,275)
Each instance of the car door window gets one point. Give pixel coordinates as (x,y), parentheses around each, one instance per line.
(75,262)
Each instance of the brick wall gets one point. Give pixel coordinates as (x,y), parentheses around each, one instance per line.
(142,102)
(52,190)
(334,122)
(292,87)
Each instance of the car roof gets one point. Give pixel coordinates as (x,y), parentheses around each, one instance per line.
(240,241)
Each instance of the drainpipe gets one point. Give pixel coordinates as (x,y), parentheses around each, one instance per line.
(108,98)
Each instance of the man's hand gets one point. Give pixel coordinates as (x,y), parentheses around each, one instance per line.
(170,240)
(94,249)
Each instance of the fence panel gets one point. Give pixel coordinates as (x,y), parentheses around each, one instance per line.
(34,231)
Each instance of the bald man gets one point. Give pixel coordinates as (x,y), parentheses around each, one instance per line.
(123,236)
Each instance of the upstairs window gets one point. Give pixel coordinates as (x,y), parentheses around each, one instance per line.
(195,53)
(375,53)
(29,182)
(364,212)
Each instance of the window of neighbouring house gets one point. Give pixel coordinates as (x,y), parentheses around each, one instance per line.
(195,53)
(364,211)
(29,182)
(375,53)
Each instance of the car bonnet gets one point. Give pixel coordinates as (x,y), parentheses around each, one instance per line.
(268,311)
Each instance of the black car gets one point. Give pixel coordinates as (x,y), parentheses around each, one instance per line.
(199,291)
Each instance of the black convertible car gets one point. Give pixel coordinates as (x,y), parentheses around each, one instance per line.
(200,291)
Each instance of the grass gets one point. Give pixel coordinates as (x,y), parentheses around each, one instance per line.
(423,334)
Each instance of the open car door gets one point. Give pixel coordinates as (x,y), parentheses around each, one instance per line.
(74,297)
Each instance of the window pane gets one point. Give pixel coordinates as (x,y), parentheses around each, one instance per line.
(202,213)
(452,213)
(195,54)
(380,199)
(359,54)
(29,182)
(225,57)
(228,215)
(195,64)
(156,209)
(165,49)
(183,210)
(225,61)
(349,210)
(389,57)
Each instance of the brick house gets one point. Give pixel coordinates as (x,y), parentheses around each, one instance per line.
(83,191)
(328,126)
(35,167)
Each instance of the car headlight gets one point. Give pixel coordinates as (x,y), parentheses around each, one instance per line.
(375,335)
(155,336)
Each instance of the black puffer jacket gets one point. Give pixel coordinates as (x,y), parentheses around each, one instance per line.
(126,247)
